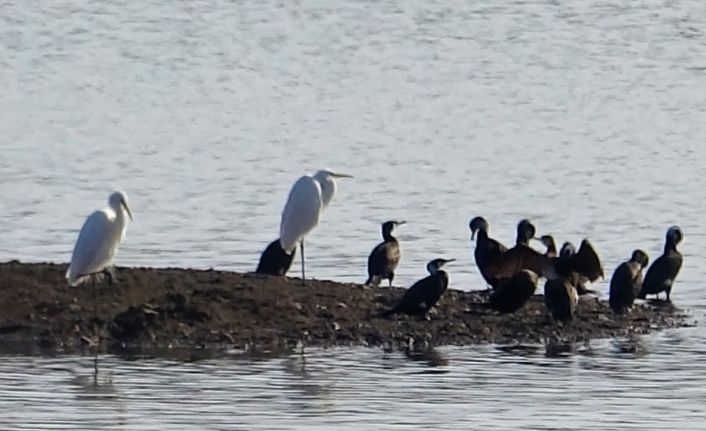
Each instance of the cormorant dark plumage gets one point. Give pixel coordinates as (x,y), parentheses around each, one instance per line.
(525,232)
(660,276)
(506,265)
(548,242)
(385,257)
(487,249)
(585,262)
(425,293)
(567,249)
(274,260)
(561,297)
(626,282)
(512,293)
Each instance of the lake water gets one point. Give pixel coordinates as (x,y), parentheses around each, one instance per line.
(587,117)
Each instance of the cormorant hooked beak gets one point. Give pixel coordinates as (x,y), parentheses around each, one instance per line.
(400,223)
(435,265)
(445,261)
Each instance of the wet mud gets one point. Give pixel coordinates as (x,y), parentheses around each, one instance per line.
(181,308)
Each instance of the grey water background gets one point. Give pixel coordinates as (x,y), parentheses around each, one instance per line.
(587,117)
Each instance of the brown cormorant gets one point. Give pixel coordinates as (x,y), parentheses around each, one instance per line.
(626,282)
(385,257)
(425,293)
(660,276)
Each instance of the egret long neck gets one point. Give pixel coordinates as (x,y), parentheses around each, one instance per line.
(328,190)
(120,219)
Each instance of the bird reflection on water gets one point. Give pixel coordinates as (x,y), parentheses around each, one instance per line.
(430,356)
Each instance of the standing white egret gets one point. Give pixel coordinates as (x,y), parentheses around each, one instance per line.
(307,200)
(98,242)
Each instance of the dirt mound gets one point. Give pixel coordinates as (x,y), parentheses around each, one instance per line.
(172,307)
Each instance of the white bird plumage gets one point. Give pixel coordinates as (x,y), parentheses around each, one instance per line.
(301,212)
(98,241)
(307,200)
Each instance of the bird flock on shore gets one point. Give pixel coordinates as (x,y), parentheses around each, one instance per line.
(512,274)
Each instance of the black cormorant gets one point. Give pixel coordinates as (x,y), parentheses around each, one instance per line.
(385,257)
(525,232)
(660,276)
(567,249)
(548,242)
(626,282)
(274,260)
(584,262)
(506,265)
(512,293)
(425,293)
(561,297)
(487,249)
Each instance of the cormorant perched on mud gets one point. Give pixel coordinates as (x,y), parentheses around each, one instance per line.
(626,282)
(498,264)
(512,293)
(660,277)
(385,257)
(487,249)
(274,260)
(561,297)
(584,262)
(425,293)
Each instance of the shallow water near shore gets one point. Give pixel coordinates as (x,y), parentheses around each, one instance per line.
(606,385)
(586,117)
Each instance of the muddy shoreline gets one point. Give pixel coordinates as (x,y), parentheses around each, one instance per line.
(181,308)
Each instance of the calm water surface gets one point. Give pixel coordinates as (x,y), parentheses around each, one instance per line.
(587,117)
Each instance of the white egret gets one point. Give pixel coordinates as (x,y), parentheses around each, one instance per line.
(98,242)
(307,200)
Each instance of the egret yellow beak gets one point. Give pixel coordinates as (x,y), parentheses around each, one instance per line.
(339,175)
(127,208)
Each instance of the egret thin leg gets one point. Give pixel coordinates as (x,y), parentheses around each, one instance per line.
(303,273)
(95,369)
